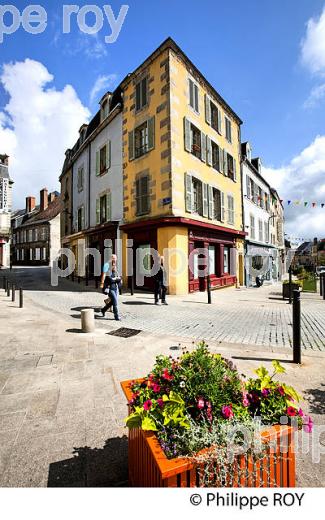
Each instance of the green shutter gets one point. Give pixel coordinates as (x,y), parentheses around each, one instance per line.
(235,170)
(131,146)
(210,192)
(108,154)
(97,163)
(221,160)
(188,192)
(188,135)
(209,151)
(205,200)
(207,109)
(108,206)
(151,133)
(97,211)
(203,147)
(225,163)
(219,121)
(196,98)
(191,92)
(222,199)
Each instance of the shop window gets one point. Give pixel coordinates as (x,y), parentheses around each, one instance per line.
(212,260)
(226,260)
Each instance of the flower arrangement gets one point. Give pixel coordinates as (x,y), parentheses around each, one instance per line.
(189,402)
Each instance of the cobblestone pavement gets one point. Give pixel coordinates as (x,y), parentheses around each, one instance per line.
(246,316)
(61,406)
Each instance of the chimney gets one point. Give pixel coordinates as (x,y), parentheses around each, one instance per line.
(52,197)
(43,199)
(30,204)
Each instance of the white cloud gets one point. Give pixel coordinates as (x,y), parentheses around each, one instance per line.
(315,97)
(303,179)
(313,45)
(37,125)
(102,83)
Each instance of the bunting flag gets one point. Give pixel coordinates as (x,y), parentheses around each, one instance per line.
(305,204)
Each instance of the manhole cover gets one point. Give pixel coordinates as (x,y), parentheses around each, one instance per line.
(123,332)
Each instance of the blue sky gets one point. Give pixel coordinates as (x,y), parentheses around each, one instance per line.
(250,51)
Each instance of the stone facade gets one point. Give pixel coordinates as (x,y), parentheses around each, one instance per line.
(5,211)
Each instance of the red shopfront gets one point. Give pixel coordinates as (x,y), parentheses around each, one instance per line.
(215,251)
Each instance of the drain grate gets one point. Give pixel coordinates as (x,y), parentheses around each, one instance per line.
(124,332)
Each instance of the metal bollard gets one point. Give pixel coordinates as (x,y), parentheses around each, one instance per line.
(323,291)
(290,285)
(21,298)
(13,293)
(296,327)
(209,289)
(8,288)
(321,284)
(132,286)
(4,283)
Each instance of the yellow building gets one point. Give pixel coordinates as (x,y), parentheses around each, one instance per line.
(182,174)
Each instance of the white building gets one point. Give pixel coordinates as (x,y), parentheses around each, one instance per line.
(261,249)
(96,169)
(5,211)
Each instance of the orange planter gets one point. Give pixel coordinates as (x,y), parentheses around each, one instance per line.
(149,466)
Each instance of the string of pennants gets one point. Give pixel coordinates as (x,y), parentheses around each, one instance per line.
(305,204)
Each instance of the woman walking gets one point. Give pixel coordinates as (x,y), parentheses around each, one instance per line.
(112,285)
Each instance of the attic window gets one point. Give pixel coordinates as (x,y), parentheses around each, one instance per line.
(105,109)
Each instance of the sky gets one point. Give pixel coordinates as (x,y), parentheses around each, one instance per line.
(267,59)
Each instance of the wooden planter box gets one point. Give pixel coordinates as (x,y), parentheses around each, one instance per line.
(149,466)
(286,289)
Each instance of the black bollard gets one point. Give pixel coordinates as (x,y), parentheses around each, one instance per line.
(296,327)
(21,298)
(8,288)
(4,280)
(209,289)
(290,285)
(132,285)
(13,294)
(321,284)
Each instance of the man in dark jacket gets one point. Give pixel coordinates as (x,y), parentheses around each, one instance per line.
(160,284)
(112,285)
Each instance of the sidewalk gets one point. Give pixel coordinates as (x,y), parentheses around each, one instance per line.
(61,407)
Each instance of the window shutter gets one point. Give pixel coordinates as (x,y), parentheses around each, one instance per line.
(97,163)
(188,135)
(151,133)
(220,160)
(203,147)
(191,92)
(137,195)
(144,194)
(82,217)
(138,96)
(205,200)
(108,206)
(222,198)
(108,154)
(225,163)
(233,261)
(97,211)
(209,151)
(248,187)
(235,169)
(188,192)
(219,121)
(210,190)
(207,109)
(131,145)
(196,97)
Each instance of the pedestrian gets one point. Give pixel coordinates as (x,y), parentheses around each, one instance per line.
(112,286)
(160,284)
(107,301)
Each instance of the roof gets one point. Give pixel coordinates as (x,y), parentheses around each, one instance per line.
(169,43)
(305,248)
(37,216)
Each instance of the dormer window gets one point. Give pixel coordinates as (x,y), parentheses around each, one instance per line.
(82,134)
(104,111)
(248,153)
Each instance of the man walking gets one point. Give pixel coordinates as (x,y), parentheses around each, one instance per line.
(111,286)
(160,284)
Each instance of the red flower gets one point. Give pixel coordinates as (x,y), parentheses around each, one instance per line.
(227,411)
(166,375)
(300,412)
(156,388)
(281,390)
(291,411)
(160,403)
(147,404)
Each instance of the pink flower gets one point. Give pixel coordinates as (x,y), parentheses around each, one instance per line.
(281,390)
(147,404)
(200,403)
(300,412)
(160,403)
(308,424)
(245,402)
(156,388)
(227,411)
(265,392)
(291,411)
